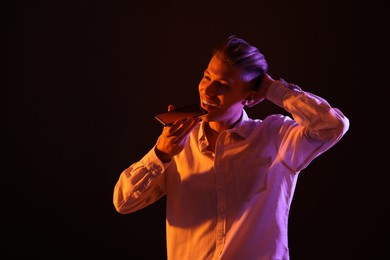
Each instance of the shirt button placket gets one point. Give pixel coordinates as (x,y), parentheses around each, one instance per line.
(221,201)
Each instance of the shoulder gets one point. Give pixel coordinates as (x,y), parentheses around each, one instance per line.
(274,125)
(272,120)
(271,125)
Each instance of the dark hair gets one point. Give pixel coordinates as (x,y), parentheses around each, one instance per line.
(248,58)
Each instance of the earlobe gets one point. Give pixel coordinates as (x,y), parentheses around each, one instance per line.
(248,102)
(253,100)
(251,97)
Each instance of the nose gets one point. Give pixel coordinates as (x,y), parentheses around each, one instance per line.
(209,88)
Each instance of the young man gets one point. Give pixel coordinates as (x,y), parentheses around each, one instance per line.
(230,179)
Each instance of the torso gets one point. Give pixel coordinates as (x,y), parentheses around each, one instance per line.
(212,137)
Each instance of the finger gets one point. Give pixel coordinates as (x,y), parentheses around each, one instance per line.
(186,127)
(175,126)
(180,126)
(190,127)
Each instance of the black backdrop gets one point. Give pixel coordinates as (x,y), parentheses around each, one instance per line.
(81,81)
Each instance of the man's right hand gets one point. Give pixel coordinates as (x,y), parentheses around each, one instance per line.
(174,137)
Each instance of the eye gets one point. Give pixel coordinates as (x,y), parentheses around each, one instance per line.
(222,87)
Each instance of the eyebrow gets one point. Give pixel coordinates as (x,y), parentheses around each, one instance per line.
(222,80)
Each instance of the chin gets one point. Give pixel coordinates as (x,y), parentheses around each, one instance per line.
(205,119)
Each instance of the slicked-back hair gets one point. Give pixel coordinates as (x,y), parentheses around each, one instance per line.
(238,52)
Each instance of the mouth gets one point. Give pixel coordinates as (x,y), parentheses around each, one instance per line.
(210,105)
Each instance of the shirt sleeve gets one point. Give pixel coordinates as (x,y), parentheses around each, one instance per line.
(318,127)
(140,185)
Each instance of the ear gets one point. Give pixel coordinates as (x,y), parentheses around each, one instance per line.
(252,99)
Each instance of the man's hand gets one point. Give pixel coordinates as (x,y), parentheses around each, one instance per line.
(262,90)
(174,137)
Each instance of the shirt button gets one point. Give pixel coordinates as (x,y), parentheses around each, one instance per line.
(221,209)
(221,235)
(220,187)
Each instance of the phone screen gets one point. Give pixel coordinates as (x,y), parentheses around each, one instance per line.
(181,113)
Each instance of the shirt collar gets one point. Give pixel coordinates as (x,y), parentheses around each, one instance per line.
(243,128)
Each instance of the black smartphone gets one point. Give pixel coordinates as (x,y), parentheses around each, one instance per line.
(181,113)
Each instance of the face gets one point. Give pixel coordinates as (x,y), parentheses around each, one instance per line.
(223,92)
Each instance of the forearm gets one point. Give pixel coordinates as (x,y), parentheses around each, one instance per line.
(313,112)
(139,185)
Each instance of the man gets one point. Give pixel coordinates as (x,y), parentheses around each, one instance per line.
(229,180)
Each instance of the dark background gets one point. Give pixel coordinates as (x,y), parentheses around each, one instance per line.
(82,80)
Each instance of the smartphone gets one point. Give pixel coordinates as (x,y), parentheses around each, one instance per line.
(181,113)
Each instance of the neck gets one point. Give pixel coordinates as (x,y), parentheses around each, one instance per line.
(219,126)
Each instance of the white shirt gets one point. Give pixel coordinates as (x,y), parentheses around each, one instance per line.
(234,203)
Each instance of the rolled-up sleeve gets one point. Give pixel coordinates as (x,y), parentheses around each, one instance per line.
(318,127)
(140,184)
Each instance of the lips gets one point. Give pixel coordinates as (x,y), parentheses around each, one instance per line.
(210,104)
